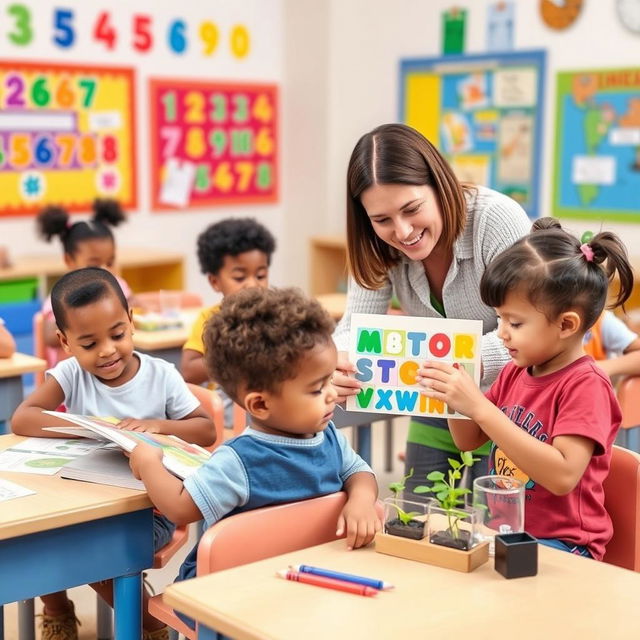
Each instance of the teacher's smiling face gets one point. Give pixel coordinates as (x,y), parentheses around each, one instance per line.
(407,217)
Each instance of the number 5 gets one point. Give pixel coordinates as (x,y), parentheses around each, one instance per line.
(143,40)
(62,23)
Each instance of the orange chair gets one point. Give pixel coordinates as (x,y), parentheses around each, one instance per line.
(622,501)
(150,300)
(628,393)
(283,528)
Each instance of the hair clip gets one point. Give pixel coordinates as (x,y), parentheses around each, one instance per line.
(586,237)
(587,251)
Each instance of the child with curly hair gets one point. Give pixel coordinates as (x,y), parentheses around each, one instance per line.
(234,254)
(272,352)
(86,243)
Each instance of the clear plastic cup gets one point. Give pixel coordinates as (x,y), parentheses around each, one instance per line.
(500,504)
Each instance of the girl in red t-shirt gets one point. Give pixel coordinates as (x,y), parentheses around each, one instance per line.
(552,414)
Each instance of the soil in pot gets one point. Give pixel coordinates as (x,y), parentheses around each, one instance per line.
(414,529)
(446,539)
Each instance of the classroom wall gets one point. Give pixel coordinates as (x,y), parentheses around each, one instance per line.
(172,231)
(369,37)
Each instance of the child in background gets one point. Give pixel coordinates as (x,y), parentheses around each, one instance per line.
(551,414)
(7,343)
(234,254)
(87,243)
(272,352)
(614,347)
(106,377)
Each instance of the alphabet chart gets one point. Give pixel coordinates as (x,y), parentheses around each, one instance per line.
(387,351)
(66,136)
(212,143)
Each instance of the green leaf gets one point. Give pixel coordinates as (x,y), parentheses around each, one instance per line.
(456,475)
(467,458)
(454,463)
(442,495)
(422,489)
(439,486)
(460,492)
(396,487)
(434,476)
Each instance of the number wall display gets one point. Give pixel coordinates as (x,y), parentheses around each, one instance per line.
(212,143)
(141,34)
(66,136)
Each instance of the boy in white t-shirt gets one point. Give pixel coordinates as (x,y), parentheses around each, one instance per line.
(106,377)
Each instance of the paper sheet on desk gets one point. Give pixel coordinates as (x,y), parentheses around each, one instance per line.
(44,456)
(10,490)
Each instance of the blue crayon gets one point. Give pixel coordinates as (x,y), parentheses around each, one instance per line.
(347,577)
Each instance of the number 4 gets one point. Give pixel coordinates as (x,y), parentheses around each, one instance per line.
(104,30)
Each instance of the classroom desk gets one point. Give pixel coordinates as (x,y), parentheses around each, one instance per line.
(571,597)
(166,344)
(11,394)
(73,533)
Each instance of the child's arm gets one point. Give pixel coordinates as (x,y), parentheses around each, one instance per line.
(7,343)
(557,466)
(359,513)
(628,364)
(165,490)
(197,427)
(28,418)
(192,367)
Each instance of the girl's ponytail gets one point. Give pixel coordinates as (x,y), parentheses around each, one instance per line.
(542,224)
(108,212)
(610,252)
(52,221)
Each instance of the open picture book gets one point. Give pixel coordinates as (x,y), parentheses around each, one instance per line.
(179,457)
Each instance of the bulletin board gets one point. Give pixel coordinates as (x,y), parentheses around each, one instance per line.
(484,113)
(66,136)
(212,143)
(597,145)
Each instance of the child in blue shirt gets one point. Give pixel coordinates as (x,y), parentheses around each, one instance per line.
(272,352)
(107,377)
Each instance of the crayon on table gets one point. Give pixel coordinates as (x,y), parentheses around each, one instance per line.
(338,575)
(327,583)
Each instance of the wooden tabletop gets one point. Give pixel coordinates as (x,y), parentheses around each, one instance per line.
(166,338)
(52,265)
(570,597)
(20,363)
(58,502)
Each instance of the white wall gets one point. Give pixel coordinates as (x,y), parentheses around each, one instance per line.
(369,37)
(171,231)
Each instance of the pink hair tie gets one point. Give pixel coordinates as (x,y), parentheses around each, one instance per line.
(587,251)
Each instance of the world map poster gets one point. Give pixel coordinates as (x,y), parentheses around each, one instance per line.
(597,145)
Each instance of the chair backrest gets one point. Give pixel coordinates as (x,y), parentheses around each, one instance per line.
(270,531)
(39,347)
(212,404)
(628,394)
(622,501)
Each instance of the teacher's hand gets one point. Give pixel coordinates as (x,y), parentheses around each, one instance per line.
(345,386)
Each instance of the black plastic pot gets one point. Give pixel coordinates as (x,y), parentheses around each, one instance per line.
(447,539)
(516,555)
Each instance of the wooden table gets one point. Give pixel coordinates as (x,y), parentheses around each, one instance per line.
(571,597)
(167,343)
(73,533)
(11,394)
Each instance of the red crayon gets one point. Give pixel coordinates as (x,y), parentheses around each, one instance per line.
(327,583)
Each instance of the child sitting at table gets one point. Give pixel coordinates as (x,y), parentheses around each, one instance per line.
(86,243)
(551,414)
(272,352)
(234,254)
(106,377)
